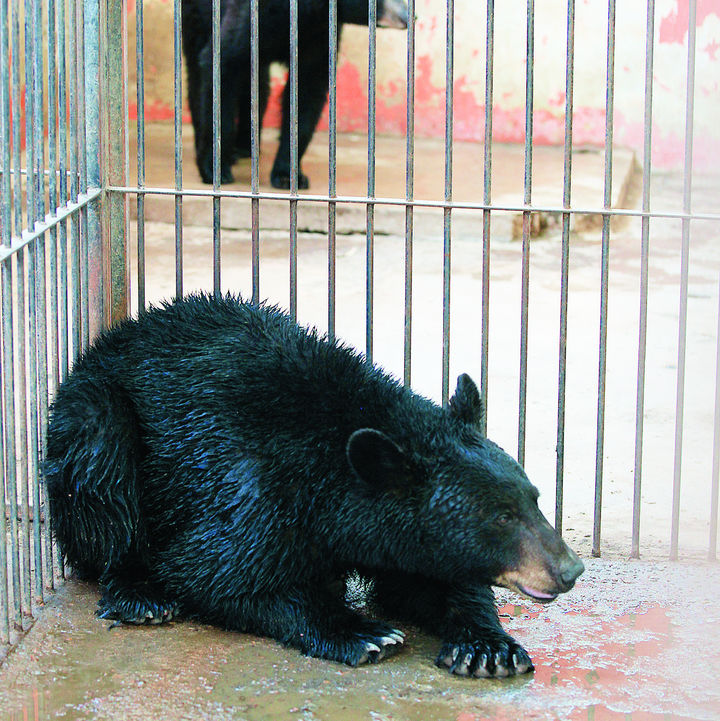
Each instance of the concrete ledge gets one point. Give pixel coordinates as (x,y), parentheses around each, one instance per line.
(390,182)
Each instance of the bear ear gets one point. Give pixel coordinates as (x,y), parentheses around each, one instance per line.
(466,404)
(378,461)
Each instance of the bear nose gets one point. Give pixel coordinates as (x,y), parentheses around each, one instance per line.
(571,573)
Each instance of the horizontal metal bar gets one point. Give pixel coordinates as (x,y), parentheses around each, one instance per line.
(416,203)
(51,221)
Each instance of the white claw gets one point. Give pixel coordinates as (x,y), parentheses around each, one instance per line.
(369,647)
(398,632)
(398,638)
(500,670)
(388,641)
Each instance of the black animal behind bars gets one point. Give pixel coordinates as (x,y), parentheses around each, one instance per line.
(274,46)
(215,458)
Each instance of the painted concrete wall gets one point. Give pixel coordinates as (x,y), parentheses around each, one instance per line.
(671,37)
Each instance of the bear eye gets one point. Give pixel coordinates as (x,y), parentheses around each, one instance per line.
(504,518)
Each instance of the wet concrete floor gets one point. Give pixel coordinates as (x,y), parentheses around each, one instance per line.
(633,641)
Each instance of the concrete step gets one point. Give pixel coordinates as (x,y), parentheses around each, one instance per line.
(390,183)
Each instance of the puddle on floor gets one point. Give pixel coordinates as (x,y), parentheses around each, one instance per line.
(599,655)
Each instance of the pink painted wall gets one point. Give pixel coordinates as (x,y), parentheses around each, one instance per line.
(670,49)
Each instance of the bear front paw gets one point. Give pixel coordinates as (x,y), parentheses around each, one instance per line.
(485,659)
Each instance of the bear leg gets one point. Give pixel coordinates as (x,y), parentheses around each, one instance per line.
(318,624)
(230,66)
(312,94)
(243,137)
(465,617)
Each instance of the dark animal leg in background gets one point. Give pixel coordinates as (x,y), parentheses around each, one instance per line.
(465,618)
(311,100)
(244,119)
(317,623)
(230,66)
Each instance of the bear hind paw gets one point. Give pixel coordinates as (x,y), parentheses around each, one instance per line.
(370,643)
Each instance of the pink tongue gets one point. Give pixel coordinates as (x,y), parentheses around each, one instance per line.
(535,593)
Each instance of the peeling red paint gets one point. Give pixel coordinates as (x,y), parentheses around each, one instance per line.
(156,110)
(711,49)
(673,27)
(508,111)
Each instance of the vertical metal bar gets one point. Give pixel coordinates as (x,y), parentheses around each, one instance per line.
(684,271)
(644,258)
(525,292)
(294,161)
(332,164)
(409,194)
(5,187)
(22,429)
(63,189)
(177,68)
(447,218)
(53,193)
(32,366)
(565,264)
(604,278)
(34,447)
(370,210)
(487,195)
(712,542)
(85,147)
(140,72)
(10,439)
(39,120)
(216,143)
(7,433)
(255,121)
(15,102)
(54,558)
(39,248)
(29,115)
(10,463)
(111,17)
(4,588)
(74,153)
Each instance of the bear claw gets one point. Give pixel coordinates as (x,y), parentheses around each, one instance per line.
(381,647)
(480,660)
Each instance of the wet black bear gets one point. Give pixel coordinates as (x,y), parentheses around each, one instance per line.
(214,458)
(273,46)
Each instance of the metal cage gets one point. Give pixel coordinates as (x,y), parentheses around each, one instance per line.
(65,225)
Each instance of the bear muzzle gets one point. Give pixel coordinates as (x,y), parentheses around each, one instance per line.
(394,15)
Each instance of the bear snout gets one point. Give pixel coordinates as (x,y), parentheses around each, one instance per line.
(570,573)
(394,15)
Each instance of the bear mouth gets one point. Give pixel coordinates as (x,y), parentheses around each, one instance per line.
(535,594)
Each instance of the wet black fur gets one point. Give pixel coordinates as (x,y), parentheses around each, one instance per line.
(273,46)
(214,455)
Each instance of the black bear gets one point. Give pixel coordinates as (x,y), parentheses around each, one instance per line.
(273,46)
(214,459)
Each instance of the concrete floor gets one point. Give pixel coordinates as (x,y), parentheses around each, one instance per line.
(635,639)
